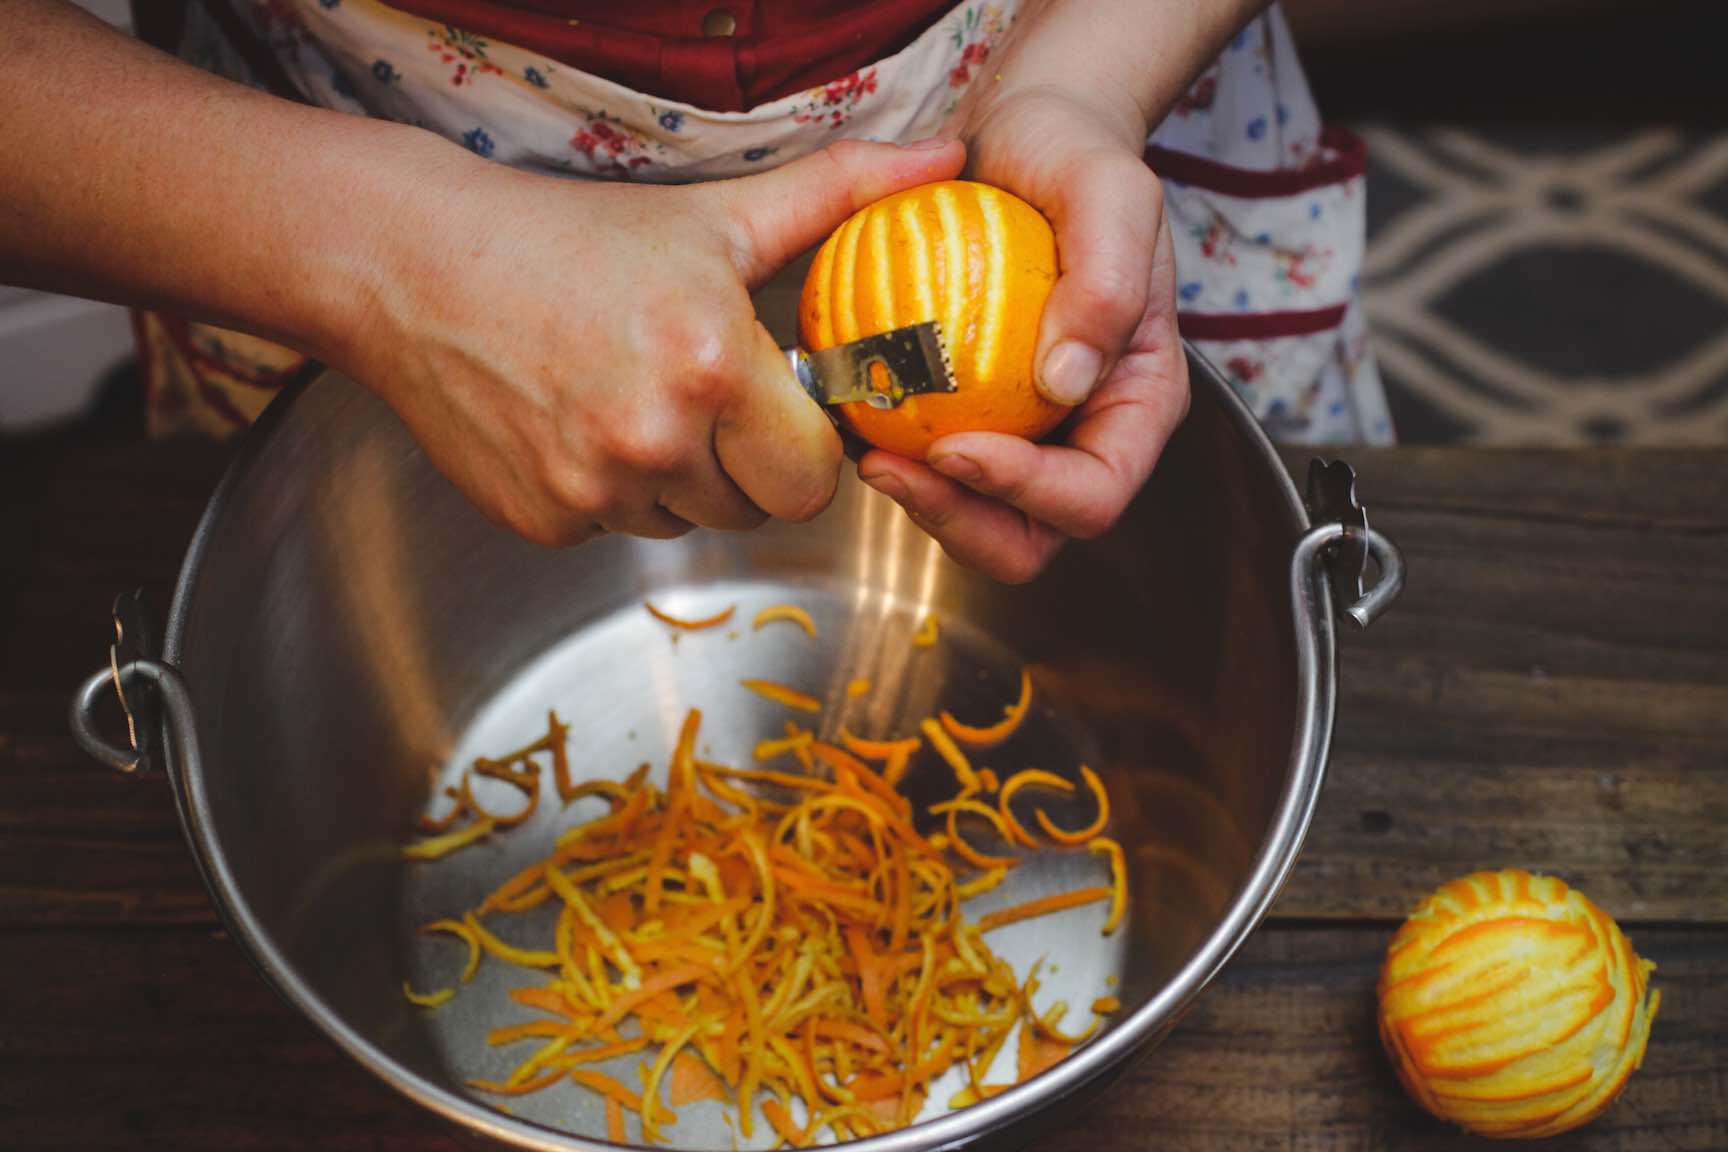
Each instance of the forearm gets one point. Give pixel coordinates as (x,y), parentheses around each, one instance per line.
(131,177)
(1132,59)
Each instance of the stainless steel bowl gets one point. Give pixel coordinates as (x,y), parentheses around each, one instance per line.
(347,630)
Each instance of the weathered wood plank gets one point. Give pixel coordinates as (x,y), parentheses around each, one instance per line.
(165,1038)
(1551,691)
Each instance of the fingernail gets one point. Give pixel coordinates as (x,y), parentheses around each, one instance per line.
(1070,372)
(887,484)
(958,467)
(928,144)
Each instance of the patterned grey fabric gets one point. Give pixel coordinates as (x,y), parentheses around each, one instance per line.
(1544,286)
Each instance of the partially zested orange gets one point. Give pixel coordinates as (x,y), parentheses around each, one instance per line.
(973,257)
(1513,1006)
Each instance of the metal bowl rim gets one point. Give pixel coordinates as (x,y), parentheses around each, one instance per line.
(1315,704)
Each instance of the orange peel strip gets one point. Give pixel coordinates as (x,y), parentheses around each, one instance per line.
(522,957)
(1029,778)
(1043,906)
(878,749)
(615,1130)
(545,1080)
(428,999)
(791,613)
(773,749)
(607,1086)
(439,847)
(1104,846)
(780,694)
(1075,838)
(950,752)
(713,621)
(959,844)
(994,734)
(464,933)
(656,1073)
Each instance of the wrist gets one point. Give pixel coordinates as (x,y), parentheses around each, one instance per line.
(371,249)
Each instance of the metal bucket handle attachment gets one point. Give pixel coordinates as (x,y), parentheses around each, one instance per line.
(1342,542)
(131,659)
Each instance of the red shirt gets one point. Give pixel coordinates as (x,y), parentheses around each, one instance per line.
(720,55)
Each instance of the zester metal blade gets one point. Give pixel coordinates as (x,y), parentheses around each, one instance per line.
(877,370)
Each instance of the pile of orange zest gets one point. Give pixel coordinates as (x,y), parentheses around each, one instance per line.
(1030,778)
(1105,846)
(428,999)
(801,946)
(789,612)
(925,637)
(713,621)
(987,779)
(781,694)
(1013,715)
(956,759)
(464,933)
(437,847)
(857,687)
(1073,839)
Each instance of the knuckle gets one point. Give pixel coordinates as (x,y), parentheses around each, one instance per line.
(1111,292)
(643,443)
(573,492)
(711,365)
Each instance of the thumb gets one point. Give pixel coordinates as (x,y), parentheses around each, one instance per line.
(776,445)
(775,216)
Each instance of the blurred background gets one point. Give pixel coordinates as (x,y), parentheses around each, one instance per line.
(1548,224)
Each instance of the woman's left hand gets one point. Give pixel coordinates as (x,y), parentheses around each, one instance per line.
(1107,344)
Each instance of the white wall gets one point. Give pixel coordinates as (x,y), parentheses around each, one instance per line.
(54,350)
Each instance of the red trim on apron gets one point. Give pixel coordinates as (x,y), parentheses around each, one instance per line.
(1258,325)
(1347,159)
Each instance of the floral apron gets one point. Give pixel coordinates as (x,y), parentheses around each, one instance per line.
(1266,207)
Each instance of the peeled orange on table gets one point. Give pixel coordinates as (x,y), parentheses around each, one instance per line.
(973,257)
(1513,1006)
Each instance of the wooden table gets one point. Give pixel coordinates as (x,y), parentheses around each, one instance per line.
(1551,692)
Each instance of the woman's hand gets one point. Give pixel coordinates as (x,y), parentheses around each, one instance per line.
(1060,117)
(584,358)
(1107,343)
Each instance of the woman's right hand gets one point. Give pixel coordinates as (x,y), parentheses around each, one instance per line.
(585,358)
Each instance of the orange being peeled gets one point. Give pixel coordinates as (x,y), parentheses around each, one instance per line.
(971,256)
(1513,1006)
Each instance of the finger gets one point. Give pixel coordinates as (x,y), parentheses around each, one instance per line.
(774,442)
(707,497)
(776,215)
(1106,219)
(978,532)
(1082,487)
